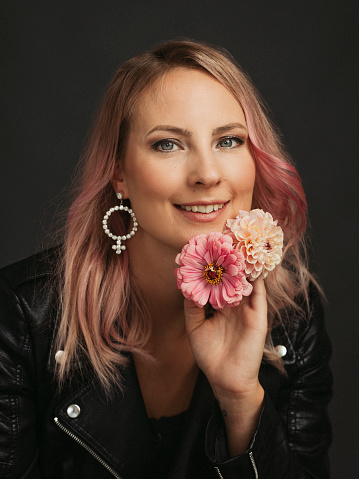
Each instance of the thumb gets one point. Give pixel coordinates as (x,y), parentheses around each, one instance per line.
(194,315)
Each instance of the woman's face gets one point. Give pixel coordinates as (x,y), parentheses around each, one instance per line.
(187,166)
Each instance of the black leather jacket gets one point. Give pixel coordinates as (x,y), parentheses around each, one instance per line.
(104,437)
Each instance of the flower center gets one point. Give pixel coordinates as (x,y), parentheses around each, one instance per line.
(213,273)
(268,245)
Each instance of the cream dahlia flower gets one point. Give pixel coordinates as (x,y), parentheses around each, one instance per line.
(259,239)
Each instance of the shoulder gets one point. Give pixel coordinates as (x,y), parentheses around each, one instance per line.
(31,282)
(307,345)
(29,291)
(35,268)
(313,346)
(309,331)
(303,324)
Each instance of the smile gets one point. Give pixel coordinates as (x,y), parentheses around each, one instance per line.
(203,208)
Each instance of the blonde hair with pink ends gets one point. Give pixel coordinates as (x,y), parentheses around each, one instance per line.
(103,313)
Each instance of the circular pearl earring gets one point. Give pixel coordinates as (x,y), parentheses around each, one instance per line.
(119,247)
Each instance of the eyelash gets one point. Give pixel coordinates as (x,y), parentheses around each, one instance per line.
(156,145)
(240,141)
(161,142)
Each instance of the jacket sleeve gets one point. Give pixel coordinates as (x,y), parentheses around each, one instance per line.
(18,444)
(293,434)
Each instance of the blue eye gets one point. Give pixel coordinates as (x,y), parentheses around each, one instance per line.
(230,142)
(165,145)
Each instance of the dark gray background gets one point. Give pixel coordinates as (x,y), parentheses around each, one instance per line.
(57,58)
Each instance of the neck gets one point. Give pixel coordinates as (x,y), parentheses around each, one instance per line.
(154,273)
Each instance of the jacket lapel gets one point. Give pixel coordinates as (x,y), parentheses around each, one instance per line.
(115,428)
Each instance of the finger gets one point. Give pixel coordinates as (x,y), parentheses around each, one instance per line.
(194,315)
(258,296)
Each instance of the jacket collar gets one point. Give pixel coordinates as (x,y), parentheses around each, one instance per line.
(117,428)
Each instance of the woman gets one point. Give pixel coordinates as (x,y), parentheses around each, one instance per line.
(107,370)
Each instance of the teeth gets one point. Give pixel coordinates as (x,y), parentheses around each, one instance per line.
(203,208)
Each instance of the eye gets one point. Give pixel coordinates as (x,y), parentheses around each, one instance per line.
(230,142)
(165,145)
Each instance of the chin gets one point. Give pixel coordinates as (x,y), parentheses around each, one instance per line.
(205,229)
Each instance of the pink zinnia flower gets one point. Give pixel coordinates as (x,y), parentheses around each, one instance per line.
(212,270)
(260,240)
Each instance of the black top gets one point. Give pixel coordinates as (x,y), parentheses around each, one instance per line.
(167,433)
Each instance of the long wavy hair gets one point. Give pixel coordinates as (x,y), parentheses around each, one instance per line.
(103,313)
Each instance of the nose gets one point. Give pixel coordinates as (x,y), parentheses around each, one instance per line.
(204,169)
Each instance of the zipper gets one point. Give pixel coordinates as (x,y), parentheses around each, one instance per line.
(253,464)
(87,448)
(218,472)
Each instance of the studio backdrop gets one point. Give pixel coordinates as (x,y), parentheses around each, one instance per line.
(57,58)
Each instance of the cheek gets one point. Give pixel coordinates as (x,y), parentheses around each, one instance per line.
(245,176)
(249,176)
(149,186)
(243,180)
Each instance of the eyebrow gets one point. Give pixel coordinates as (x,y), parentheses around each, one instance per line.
(230,126)
(187,133)
(172,129)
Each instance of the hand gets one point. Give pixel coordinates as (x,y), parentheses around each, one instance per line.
(228,347)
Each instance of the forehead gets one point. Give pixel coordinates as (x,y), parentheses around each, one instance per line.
(186,93)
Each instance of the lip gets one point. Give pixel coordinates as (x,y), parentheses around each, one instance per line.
(205,203)
(202,217)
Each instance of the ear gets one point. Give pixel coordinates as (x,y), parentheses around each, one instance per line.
(118,181)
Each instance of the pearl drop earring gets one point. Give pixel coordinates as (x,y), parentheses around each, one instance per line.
(119,247)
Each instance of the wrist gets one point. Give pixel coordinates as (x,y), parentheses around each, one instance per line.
(241,415)
(239,404)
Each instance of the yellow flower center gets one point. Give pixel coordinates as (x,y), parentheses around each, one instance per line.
(213,273)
